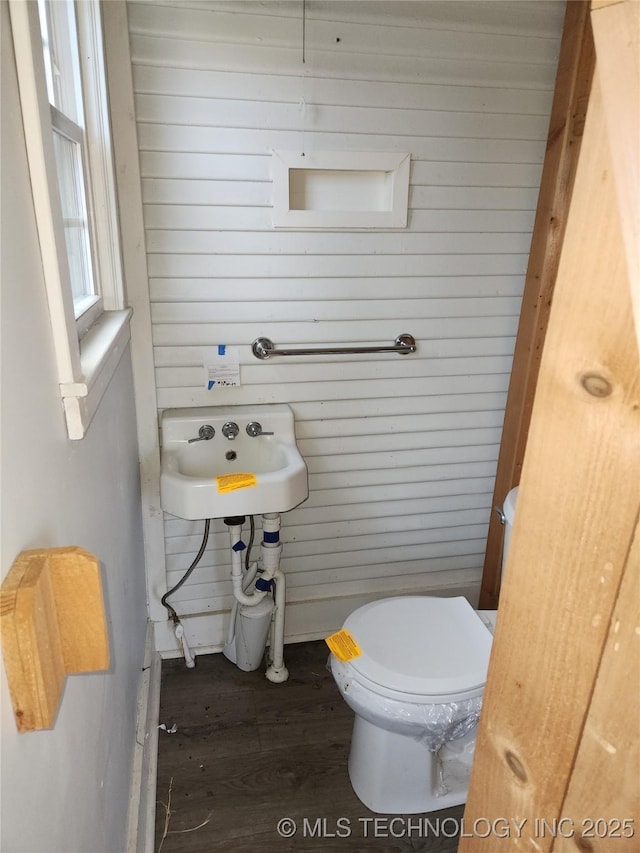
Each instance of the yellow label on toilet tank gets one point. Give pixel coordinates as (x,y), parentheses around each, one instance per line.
(343,645)
(231,482)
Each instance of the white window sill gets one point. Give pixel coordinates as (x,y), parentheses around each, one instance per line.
(100,352)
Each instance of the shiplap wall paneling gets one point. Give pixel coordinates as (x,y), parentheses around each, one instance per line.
(401,450)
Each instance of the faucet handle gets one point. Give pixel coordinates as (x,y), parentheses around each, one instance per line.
(254,429)
(205,433)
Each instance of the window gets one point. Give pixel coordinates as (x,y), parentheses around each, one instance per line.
(60,64)
(64,90)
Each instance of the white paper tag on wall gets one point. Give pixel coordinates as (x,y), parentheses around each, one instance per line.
(221,366)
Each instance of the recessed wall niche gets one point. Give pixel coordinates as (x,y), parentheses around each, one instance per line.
(340,189)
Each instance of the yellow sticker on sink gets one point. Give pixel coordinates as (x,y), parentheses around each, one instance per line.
(343,645)
(231,482)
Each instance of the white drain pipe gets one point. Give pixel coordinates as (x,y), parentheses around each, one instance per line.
(246,583)
(237,578)
(277,671)
(271,550)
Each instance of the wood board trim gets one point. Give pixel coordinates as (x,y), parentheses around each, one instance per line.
(573,84)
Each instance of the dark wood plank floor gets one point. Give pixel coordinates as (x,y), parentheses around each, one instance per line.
(248,754)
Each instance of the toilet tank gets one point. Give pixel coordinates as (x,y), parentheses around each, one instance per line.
(508,510)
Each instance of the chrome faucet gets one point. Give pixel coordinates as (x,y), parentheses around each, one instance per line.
(205,433)
(254,429)
(230,430)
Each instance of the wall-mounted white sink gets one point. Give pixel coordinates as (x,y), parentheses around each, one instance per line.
(217,477)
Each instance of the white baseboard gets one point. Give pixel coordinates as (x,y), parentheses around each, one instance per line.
(142,809)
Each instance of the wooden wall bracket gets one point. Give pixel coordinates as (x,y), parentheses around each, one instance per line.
(53,624)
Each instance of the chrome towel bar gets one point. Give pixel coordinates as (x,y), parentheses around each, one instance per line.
(264,348)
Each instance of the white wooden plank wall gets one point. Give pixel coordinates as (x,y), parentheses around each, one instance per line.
(401,451)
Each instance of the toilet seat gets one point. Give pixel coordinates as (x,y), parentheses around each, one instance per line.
(420,648)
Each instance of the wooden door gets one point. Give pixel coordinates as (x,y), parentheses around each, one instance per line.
(558,753)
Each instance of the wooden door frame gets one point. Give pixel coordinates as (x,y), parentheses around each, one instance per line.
(566,124)
(558,751)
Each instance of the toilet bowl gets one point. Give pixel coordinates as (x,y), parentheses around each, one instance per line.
(415,684)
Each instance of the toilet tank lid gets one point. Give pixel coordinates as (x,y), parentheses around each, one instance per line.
(421,645)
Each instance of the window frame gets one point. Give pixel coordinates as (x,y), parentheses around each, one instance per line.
(87,349)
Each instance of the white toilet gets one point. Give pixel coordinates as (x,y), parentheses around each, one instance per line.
(416,690)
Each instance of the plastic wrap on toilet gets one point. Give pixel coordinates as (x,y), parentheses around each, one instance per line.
(431,724)
(454,759)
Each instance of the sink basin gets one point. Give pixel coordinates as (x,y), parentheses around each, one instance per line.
(221,477)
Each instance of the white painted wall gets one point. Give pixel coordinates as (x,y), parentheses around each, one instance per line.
(67,789)
(401,450)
